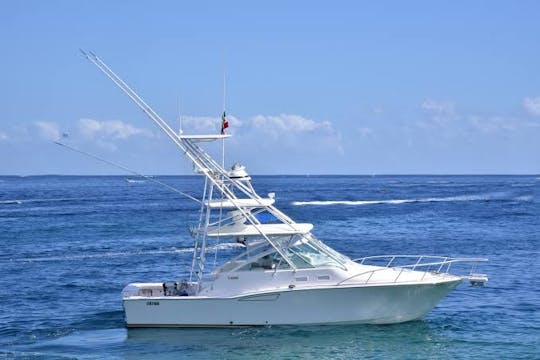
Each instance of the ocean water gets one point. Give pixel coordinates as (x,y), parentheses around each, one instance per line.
(68,245)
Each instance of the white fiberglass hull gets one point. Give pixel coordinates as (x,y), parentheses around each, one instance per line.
(384,304)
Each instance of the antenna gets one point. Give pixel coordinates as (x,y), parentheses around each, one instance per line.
(224,88)
(223,119)
(180,131)
(222,154)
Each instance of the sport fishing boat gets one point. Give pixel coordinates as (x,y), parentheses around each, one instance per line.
(284,275)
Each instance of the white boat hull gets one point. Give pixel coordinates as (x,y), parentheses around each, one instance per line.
(383,304)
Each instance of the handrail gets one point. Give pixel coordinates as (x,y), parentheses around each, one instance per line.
(445,262)
(419,257)
(397,256)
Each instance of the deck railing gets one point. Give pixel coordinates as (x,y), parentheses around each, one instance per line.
(422,263)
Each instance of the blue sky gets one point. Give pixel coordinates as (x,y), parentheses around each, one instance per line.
(418,87)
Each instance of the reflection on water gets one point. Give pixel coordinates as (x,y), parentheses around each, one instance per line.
(444,336)
(337,342)
(420,339)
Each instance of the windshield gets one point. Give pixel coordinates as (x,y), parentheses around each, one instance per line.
(309,254)
(304,251)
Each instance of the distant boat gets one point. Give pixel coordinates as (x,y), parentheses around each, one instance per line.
(284,275)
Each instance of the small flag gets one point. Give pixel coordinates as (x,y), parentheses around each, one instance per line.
(224,123)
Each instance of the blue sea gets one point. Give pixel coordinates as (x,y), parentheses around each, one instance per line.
(69,244)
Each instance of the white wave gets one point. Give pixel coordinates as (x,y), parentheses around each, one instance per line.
(349,202)
(484,197)
(7,202)
(20,201)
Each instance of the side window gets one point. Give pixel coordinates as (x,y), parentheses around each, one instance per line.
(267,262)
(299,260)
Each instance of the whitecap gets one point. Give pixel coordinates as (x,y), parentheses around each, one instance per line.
(523,198)
(9,202)
(481,197)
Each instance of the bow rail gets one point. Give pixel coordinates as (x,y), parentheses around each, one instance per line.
(426,263)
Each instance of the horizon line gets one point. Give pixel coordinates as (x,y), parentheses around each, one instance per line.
(306,174)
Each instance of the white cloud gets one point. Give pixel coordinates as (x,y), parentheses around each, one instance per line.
(114,129)
(442,116)
(365,131)
(438,107)
(200,123)
(106,145)
(289,123)
(532,105)
(197,124)
(493,123)
(3,136)
(437,114)
(275,125)
(293,131)
(284,129)
(47,130)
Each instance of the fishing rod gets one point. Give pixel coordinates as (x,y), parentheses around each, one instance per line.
(58,142)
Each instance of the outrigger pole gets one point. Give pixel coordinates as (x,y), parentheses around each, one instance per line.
(58,142)
(213,171)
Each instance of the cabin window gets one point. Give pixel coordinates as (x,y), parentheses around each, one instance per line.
(267,262)
(299,260)
(310,255)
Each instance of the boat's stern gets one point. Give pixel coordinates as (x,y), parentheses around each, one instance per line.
(142,290)
(143,302)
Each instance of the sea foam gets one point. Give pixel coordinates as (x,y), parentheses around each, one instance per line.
(480,197)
